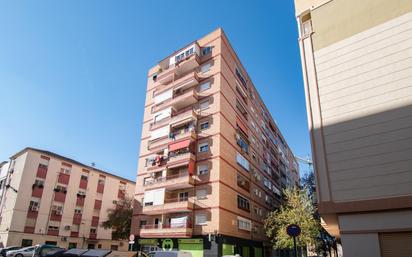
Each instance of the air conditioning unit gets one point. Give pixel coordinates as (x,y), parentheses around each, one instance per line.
(67,227)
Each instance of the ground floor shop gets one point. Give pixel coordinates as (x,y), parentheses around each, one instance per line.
(28,239)
(207,246)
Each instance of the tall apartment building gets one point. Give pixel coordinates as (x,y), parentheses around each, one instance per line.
(212,160)
(48,198)
(357,65)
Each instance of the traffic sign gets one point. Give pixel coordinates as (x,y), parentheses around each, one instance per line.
(131,237)
(293,230)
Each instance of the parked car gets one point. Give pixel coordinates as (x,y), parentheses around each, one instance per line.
(170,254)
(44,249)
(23,252)
(75,252)
(3,251)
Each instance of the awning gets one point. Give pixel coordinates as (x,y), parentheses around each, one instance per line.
(179,145)
(191,167)
(241,126)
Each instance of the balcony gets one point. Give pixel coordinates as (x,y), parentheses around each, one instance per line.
(186,81)
(180,68)
(184,116)
(160,123)
(166,230)
(180,159)
(170,206)
(171,182)
(92,236)
(184,98)
(158,142)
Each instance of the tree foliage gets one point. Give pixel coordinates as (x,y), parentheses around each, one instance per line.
(119,219)
(297,209)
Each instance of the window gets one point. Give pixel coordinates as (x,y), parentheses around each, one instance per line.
(183,196)
(201,194)
(57,210)
(26,242)
(242,161)
(243,203)
(205,67)
(203,147)
(206,50)
(65,170)
(72,245)
(92,231)
(204,86)
(34,206)
(53,228)
(84,177)
(204,105)
(143,223)
(202,169)
(114,247)
(243,182)
(244,224)
(240,76)
(201,219)
(242,143)
(42,166)
(78,211)
(39,183)
(204,125)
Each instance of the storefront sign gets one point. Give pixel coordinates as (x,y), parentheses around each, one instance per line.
(147,241)
(167,244)
(190,241)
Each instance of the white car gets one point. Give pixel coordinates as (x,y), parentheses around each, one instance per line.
(23,252)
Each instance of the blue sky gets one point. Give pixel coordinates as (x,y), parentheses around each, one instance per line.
(73,73)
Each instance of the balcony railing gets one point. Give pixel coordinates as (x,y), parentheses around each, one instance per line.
(169,230)
(170,205)
(171,182)
(177,70)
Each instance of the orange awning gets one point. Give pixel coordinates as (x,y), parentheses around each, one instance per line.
(191,167)
(241,125)
(179,145)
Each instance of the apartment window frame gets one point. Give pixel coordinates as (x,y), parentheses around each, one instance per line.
(204,125)
(204,105)
(205,67)
(203,195)
(243,203)
(202,169)
(206,50)
(202,221)
(204,86)
(203,147)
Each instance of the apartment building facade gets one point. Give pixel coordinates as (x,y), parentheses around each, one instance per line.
(357,65)
(48,198)
(212,161)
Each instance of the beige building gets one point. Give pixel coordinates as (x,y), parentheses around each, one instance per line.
(212,160)
(48,198)
(357,66)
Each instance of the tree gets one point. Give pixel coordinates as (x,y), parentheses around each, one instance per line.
(297,209)
(119,219)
